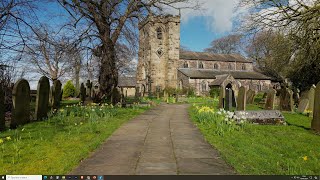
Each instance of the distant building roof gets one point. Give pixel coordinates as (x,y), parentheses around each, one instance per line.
(204,56)
(220,79)
(127,82)
(211,74)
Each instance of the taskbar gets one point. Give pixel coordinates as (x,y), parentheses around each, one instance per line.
(157,177)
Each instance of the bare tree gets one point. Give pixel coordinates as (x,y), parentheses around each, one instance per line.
(111,22)
(230,44)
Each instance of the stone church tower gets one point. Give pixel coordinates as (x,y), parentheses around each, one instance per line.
(159,46)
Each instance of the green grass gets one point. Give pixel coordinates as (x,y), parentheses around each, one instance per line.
(57,145)
(266,149)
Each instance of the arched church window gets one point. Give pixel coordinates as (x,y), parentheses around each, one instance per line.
(215,66)
(159,33)
(243,67)
(200,66)
(185,65)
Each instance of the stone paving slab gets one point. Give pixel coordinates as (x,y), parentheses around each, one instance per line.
(161,141)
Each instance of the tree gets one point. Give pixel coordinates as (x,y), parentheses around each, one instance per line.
(68,90)
(230,44)
(299,20)
(272,52)
(111,22)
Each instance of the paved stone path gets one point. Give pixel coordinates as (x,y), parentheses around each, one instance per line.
(161,141)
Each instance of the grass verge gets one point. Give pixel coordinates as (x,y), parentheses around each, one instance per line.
(57,145)
(266,149)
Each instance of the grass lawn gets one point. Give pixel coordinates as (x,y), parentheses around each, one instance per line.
(266,149)
(57,145)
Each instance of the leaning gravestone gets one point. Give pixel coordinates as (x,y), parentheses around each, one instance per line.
(21,103)
(242,98)
(42,101)
(303,106)
(2,110)
(89,88)
(311,97)
(270,101)
(228,100)
(56,94)
(315,124)
(265,117)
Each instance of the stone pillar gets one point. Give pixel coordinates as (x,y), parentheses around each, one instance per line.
(315,124)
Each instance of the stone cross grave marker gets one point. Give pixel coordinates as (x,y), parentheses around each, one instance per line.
(265,117)
(315,124)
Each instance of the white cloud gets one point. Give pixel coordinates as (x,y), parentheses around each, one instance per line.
(219,14)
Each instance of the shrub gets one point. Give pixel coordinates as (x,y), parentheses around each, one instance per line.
(69,90)
(214,92)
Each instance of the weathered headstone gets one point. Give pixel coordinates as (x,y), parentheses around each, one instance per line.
(2,110)
(82,93)
(315,124)
(311,96)
(270,101)
(249,94)
(264,117)
(296,96)
(56,94)
(42,101)
(242,98)
(228,100)
(21,103)
(303,106)
(286,100)
(89,87)
(221,97)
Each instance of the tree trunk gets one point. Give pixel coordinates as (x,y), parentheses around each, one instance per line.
(108,76)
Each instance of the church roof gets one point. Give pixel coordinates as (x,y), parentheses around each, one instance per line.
(211,74)
(204,56)
(127,82)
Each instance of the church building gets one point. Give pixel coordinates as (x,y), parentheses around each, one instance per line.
(162,64)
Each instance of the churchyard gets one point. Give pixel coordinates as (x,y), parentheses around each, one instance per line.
(275,132)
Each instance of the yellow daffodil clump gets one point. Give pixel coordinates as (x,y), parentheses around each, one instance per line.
(206,109)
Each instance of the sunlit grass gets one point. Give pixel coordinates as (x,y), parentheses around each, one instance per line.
(57,145)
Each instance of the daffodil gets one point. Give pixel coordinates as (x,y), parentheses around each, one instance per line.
(1,141)
(61,110)
(305,158)
(81,123)
(8,138)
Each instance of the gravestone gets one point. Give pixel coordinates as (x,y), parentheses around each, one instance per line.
(228,100)
(42,101)
(311,97)
(296,96)
(82,93)
(270,101)
(56,94)
(89,87)
(242,98)
(21,103)
(286,100)
(221,98)
(315,124)
(303,106)
(2,111)
(264,117)
(249,94)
